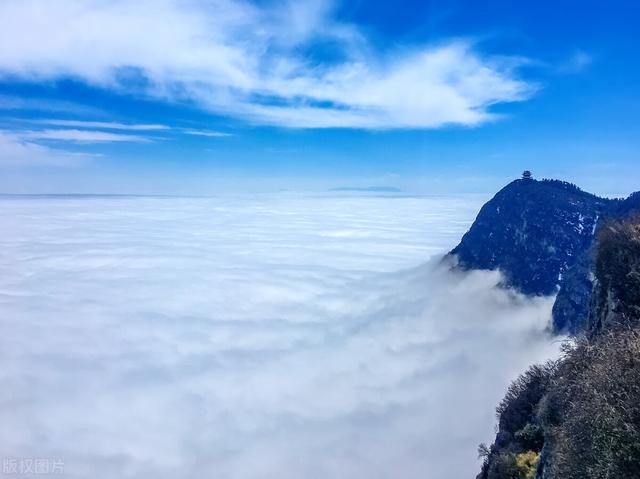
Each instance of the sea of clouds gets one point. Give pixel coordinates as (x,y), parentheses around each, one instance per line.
(282,336)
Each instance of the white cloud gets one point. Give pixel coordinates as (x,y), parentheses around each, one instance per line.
(207,133)
(79,136)
(23,148)
(88,131)
(8,102)
(15,151)
(251,338)
(255,63)
(578,62)
(104,125)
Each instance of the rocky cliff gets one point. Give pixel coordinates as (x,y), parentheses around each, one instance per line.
(540,234)
(616,295)
(579,417)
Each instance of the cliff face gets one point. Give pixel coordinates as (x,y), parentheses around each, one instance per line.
(540,234)
(616,296)
(533,231)
(572,307)
(579,417)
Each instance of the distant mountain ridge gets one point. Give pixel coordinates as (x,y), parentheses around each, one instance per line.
(368,189)
(540,234)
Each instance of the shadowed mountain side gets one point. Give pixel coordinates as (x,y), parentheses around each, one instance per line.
(540,235)
(534,232)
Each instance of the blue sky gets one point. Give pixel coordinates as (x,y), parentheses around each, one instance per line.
(199,97)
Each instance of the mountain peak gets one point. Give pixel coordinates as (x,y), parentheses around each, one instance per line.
(532,230)
(539,233)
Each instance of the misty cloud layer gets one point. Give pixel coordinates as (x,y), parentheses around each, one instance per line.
(267,337)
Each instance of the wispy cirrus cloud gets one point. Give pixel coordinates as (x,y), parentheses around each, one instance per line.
(50,147)
(11,103)
(80,136)
(105,125)
(89,130)
(207,133)
(16,151)
(577,62)
(256,63)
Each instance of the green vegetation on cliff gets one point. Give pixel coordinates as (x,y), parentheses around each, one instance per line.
(579,417)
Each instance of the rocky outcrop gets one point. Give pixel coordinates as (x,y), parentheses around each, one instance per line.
(540,234)
(616,295)
(579,417)
(571,306)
